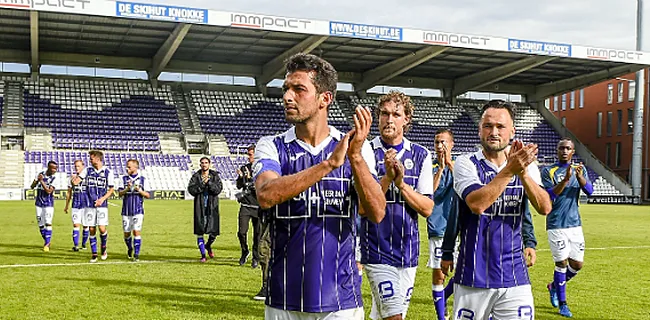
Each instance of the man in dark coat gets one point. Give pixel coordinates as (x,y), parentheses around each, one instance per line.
(248,210)
(205,186)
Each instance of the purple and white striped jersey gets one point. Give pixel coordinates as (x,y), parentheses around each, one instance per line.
(98,182)
(133,202)
(312,266)
(396,240)
(491,249)
(44,199)
(79,195)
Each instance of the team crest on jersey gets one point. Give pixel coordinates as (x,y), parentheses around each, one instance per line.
(257,168)
(408,164)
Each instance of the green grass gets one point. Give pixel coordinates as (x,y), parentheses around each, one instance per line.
(170,284)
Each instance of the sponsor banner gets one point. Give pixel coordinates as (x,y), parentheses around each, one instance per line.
(627,56)
(365,31)
(92,7)
(537,47)
(266,22)
(613,200)
(450,39)
(30,194)
(160,12)
(11,194)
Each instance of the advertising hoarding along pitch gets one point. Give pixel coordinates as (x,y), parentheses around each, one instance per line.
(365,31)
(537,47)
(160,12)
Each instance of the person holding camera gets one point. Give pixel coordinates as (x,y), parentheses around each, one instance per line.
(248,210)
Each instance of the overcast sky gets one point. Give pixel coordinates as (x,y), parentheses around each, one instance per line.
(605,23)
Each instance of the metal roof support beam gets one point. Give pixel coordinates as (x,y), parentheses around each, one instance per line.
(496,74)
(167,50)
(131,63)
(546,90)
(274,68)
(35,64)
(396,67)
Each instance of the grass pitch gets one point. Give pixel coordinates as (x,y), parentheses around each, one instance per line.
(169,283)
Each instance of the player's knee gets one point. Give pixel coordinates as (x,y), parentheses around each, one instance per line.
(395,317)
(438,277)
(576,265)
(561,264)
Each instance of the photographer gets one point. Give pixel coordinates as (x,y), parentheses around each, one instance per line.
(249,210)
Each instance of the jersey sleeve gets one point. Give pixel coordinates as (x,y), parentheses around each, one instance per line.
(369,156)
(110,179)
(120,184)
(266,157)
(547,182)
(425,181)
(533,172)
(466,177)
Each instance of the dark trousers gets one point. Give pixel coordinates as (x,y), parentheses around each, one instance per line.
(246,216)
(265,249)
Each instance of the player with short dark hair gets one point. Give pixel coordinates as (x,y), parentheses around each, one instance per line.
(133,192)
(390,249)
(205,186)
(564,181)
(45,202)
(249,210)
(444,198)
(78,193)
(99,182)
(312,190)
(495,187)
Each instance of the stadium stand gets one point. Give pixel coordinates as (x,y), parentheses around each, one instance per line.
(164,171)
(107,115)
(242,117)
(129,115)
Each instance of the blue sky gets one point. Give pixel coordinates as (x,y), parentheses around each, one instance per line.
(605,23)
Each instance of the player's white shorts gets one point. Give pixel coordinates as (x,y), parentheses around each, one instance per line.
(567,243)
(44,215)
(132,223)
(514,303)
(278,314)
(435,252)
(95,217)
(391,289)
(77,215)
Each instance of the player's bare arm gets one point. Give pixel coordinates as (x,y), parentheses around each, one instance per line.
(273,189)
(389,164)
(422,204)
(538,197)
(68,197)
(562,184)
(481,199)
(101,200)
(371,198)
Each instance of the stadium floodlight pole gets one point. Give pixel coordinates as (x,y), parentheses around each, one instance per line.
(637,144)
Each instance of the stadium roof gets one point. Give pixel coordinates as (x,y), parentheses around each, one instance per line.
(157,38)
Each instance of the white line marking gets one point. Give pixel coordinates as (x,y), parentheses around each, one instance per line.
(608,248)
(38,265)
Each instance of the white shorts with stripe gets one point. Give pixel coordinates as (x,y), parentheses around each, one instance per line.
(132,223)
(44,215)
(279,314)
(95,217)
(391,289)
(515,303)
(567,243)
(77,215)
